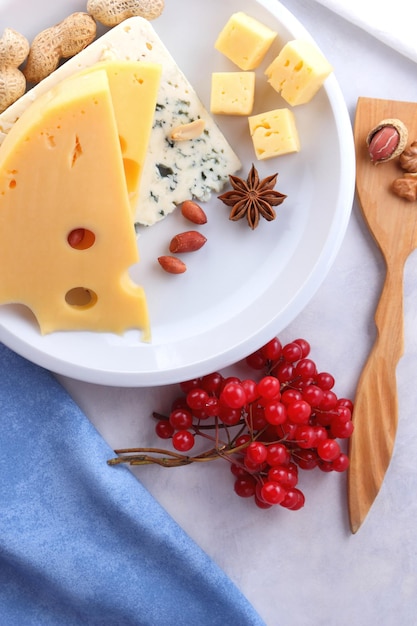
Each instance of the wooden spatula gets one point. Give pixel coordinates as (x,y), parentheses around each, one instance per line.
(393,223)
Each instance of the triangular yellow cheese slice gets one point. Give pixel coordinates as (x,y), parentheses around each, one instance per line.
(61,172)
(134,87)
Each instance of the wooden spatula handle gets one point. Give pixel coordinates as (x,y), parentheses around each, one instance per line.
(376,405)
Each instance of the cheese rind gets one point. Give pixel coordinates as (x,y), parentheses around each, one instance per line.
(61,169)
(274,133)
(232,93)
(244,40)
(298,72)
(173,172)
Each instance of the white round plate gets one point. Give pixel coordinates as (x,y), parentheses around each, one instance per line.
(243,287)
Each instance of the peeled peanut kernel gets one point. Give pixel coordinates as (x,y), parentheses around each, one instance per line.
(387,140)
(189,241)
(185,132)
(193,212)
(172,264)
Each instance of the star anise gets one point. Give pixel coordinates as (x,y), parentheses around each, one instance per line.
(252,197)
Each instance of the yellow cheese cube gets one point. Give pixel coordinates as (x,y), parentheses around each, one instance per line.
(66,235)
(298,71)
(232,93)
(244,40)
(274,133)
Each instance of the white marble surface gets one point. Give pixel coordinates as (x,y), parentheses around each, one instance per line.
(306,568)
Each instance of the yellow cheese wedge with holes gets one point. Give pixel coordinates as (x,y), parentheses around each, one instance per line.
(66,235)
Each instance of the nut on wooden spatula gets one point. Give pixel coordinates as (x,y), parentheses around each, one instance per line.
(392,221)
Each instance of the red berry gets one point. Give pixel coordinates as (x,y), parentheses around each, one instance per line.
(284,372)
(245,486)
(325,466)
(261,504)
(183,440)
(341,429)
(299,412)
(277,454)
(256,452)
(325,381)
(272,350)
(233,395)
(328,450)
(320,434)
(275,412)
(313,395)
(242,440)
(290,395)
(269,387)
(252,468)
(179,403)
(343,412)
(229,416)
(212,382)
(304,345)
(341,463)
(250,388)
(197,398)
(272,492)
(284,476)
(329,401)
(256,360)
(212,407)
(292,352)
(287,431)
(256,418)
(306,368)
(306,459)
(346,403)
(294,499)
(238,470)
(305,436)
(187,385)
(180,419)
(164,430)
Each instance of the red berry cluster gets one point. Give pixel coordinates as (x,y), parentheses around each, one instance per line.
(268,429)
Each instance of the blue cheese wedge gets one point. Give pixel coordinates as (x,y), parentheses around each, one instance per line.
(176,169)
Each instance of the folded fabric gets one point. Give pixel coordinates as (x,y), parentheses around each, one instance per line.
(84,543)
(391,23)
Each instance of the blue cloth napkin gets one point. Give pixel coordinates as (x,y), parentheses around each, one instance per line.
(85,543)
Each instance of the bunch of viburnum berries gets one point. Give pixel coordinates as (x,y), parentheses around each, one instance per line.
(266,429)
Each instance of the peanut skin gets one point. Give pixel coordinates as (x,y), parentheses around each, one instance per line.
(113,12)
(61,41)
(14,49)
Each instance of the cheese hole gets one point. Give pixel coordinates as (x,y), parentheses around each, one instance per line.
(131,168)
(299,66)
(12,183)
(81,297)
(81,238)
